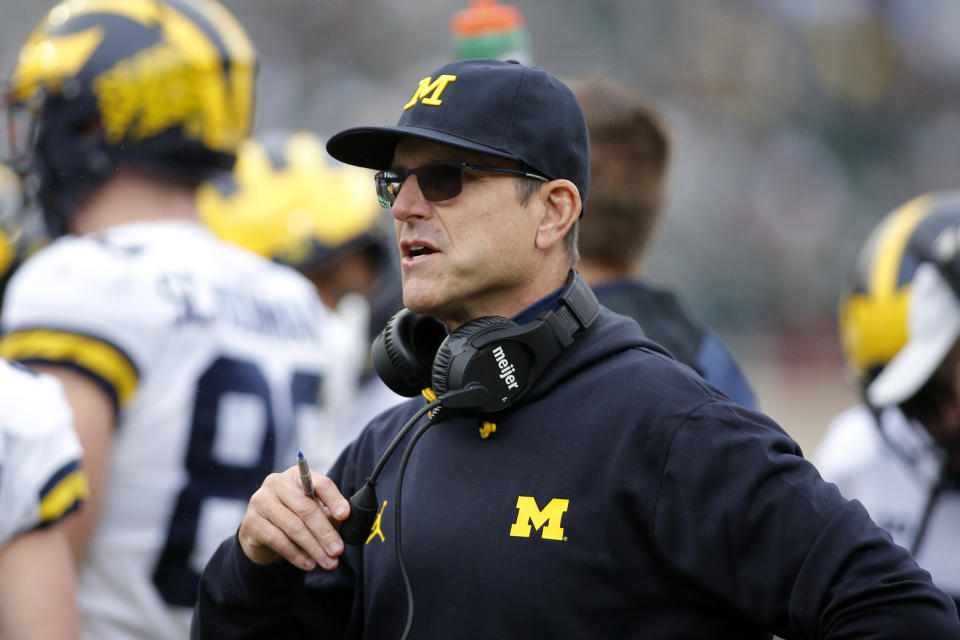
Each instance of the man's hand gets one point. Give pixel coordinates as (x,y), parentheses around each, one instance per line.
(282,522)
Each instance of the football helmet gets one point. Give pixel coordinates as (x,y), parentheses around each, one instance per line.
(163,86)
(288,201)
(899,314)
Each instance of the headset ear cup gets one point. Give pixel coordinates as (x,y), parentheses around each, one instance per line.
(454,345)
(404,351)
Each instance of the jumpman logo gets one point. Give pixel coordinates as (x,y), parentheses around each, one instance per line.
(375,530)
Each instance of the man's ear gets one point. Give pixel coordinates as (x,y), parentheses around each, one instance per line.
(561,201)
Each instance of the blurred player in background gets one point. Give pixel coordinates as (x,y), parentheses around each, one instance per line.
(629,158)
(40,483)
(187,360)
(288,201)
(899,451)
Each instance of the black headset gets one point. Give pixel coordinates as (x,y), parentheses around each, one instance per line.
(481,368)
(502,357)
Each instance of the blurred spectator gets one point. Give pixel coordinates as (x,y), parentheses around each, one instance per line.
(630,153)
(489,29)
(899,451)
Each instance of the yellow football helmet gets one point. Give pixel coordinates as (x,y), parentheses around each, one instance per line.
(899,313)
(165,86)
(286,201)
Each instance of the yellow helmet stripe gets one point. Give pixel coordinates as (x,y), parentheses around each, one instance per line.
(890,246)
(68,489)
(873,323)
(103,360)
(873,330)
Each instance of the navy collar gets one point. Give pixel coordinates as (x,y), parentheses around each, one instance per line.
(549,302)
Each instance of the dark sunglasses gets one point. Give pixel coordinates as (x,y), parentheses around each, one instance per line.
(437,180)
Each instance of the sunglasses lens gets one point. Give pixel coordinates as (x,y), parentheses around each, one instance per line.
(388,186)
(437,182)
(440,182)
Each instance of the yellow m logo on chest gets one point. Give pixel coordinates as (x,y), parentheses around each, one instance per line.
(547,519)
(429,91)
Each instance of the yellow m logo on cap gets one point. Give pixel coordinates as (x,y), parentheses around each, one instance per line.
(429,90)
(528,513)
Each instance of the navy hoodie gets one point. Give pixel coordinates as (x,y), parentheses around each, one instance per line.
(624,497)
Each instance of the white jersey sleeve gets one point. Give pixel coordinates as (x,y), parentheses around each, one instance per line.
(890,468)
(890,464)
(40,475)
(77,304)
(217,361)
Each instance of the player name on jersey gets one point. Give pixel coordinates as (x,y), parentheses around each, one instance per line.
(211,303)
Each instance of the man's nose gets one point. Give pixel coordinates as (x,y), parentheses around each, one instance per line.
(410,201)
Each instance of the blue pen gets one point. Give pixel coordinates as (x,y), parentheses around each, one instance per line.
(305,479)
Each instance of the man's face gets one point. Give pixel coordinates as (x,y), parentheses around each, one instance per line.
(468,256)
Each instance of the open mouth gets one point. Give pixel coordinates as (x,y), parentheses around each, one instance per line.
(419,250)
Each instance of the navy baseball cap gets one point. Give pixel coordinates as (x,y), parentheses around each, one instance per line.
(501,108)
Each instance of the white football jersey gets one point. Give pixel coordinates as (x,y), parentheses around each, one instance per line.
(894,469)
(216,360)
(40,477)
